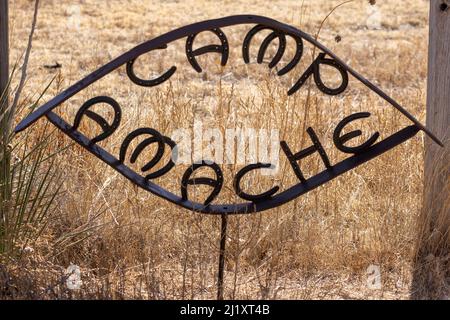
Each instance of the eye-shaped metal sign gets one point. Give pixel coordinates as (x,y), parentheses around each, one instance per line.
(269,199)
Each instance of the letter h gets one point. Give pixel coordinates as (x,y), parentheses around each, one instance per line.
(316,147)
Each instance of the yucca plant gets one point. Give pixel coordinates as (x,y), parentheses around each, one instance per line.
(27,171)
(28,180)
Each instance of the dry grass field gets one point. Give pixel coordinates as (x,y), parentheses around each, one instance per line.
(131,244)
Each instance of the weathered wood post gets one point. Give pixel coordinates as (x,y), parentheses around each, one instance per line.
(4,46)
(432,261)
(4,154)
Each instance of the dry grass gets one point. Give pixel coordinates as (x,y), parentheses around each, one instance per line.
(130,244)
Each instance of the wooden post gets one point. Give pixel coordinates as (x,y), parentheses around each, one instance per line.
(4,46)
(5,157)
(432,256)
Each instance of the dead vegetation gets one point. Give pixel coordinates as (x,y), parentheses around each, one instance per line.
(130,244)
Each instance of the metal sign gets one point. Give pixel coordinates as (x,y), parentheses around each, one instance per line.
(270,199)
